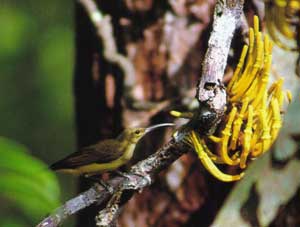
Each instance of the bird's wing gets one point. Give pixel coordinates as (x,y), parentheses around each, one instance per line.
(103,152)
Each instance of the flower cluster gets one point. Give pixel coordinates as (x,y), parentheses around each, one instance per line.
(253,117)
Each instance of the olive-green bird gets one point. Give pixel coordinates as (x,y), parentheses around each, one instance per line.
(106,155)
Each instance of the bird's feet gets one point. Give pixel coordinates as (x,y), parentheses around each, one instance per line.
(122,174)
(126,175)
(98,179)
(107,187)
(130,178)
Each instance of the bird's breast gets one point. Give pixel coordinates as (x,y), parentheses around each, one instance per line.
(128,152)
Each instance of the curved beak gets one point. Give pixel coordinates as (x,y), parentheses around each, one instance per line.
(151,128)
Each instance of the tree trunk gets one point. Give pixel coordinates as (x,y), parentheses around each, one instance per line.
(166,43)
(95,119)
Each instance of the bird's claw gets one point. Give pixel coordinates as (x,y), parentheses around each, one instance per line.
(106,186)
(122,174)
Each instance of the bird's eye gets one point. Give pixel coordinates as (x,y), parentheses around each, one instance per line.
(137,132)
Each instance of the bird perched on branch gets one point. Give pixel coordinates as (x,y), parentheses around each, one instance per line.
(106,155)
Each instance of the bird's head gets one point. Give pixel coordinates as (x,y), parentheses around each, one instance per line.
(135,134)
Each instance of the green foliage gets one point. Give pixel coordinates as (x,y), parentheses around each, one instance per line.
(13,24)
(36,104)
(10,222)
(36,57)
(26,182)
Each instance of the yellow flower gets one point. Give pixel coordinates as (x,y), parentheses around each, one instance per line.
(253,117)
(282,16)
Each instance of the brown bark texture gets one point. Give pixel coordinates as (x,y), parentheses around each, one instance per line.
(166,41)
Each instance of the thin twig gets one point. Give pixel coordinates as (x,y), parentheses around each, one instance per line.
(140,175)
(104,31)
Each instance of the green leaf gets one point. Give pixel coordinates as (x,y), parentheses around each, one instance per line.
(10,222)
(14,24)
(26,181)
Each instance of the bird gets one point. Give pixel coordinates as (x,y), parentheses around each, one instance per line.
(106,155)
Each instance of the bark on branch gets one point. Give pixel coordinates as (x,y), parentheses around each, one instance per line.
(146,169)
(210,93)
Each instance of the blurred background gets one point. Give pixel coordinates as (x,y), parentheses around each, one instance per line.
(36,65)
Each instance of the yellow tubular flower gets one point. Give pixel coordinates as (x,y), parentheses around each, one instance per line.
(247,138)
(226,133)
(239,66)
(253,65)
(237,125)
(289,96)
(186,115)
(208,163)
(282,25)
(253,118)
(265,137)
(280,15)
(276,121)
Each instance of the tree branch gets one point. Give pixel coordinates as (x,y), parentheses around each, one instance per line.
(104,31)
(146,169)
(210,93)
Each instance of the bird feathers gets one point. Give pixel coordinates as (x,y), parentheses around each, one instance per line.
(99,153)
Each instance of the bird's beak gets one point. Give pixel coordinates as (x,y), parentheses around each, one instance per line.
(149,129)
